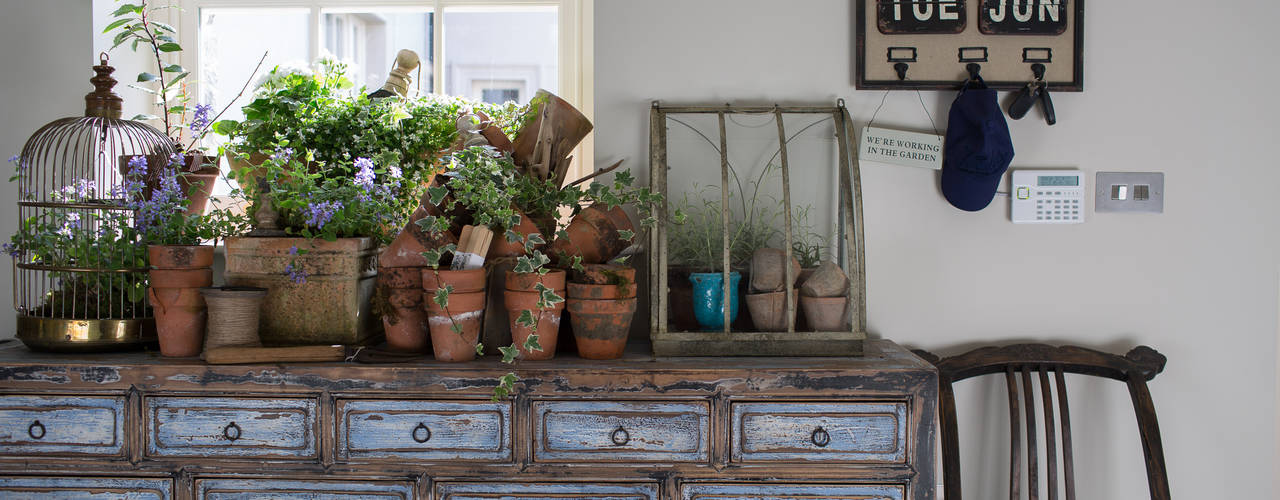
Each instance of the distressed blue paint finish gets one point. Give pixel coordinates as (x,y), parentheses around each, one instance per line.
(702,491)
(545,491)
(373,429)
(853,432)
(85,488)
(196,427)
(604,431)
(283,489)
(66,425)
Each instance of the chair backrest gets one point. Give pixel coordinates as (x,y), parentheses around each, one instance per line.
(1025,362)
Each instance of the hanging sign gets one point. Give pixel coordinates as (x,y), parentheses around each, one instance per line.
(896,147)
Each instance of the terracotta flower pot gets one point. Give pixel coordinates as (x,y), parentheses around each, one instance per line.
(825,314)
(594,235)
(233,316)
(768,310)
(177,275)
(463,281)
(466,310)
(600,327)
(502,248)
(567,128)
(406,327)
(605,274)
(547,328)
(601,292)
(528,282)
(407,247)
(197,169)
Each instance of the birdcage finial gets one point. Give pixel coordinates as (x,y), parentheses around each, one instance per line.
(103,102)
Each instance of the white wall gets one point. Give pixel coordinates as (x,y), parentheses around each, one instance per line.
(47,54)
(1185,88)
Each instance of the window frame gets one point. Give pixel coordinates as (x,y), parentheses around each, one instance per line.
(575,45)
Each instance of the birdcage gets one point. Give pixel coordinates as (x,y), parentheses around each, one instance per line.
(79,281)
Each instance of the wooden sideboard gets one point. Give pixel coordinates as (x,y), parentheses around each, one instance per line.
(138,426)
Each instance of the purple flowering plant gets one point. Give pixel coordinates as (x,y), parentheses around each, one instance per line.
(160,214)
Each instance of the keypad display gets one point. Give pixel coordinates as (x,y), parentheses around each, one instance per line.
(1036,203)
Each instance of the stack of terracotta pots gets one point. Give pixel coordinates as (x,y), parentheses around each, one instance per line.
(766,302)
(405,319)
(178,272)
(522,294)
(601,304)
(824,298)
(455,327)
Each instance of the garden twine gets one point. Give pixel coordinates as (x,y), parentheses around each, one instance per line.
(233,317)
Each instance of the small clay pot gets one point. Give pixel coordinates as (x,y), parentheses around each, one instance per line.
(528,282)
(463,281)
(601,292)
(466,309)
(500,247)
(179,256)
(594,235)
(547,329)
(606,274)
(768,310)
(600,327)
(180,278)
(825,314)
(407,247)
(400,277)
(233,316)
(406,329)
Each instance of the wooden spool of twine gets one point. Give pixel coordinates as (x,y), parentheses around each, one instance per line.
(233,316)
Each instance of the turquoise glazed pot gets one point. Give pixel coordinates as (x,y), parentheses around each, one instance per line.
(708,298)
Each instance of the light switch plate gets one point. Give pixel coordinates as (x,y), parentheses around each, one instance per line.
(1129,192)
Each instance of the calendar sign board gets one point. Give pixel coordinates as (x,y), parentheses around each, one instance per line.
(927,44)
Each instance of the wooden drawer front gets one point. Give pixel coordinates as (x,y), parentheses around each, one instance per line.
(819,432)
(282,489)
(789,491)
(434,430)
(57,425)
(231,427)
(545,491)
(601,431)
(84,488)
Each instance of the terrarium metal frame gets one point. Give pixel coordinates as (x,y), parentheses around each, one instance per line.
(759,343)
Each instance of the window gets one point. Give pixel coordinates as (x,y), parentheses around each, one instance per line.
(492,50)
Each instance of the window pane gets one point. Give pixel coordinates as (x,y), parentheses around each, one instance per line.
(500,53)
(369,40)
(232,41)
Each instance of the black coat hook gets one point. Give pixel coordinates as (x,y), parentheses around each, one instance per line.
(973,69)
(901,68)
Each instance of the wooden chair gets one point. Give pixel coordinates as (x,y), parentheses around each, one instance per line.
(1021,361)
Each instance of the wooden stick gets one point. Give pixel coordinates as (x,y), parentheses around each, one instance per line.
(253,355)
(598,173)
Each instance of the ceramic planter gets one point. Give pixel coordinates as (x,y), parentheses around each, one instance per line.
(600,327)
(606,274)
(463,281)
(177,275)
(405,322)
(601,292)
(233,316)
(768,310)
(594,235)
(568,127)
(332,305)
(465,309)
(708,298)
(825,314)
(528,282)
(547,328)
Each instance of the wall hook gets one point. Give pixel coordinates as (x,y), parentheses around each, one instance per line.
(973,69)
(901,68)
(1037,70)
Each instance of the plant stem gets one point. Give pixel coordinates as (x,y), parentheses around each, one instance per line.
(164,98)
(196,137)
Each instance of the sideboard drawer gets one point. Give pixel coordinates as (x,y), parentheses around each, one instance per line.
(85,488)
(289,489)
(755,491)
(61,425)
(819,432)
(603,431)
(430,430)
(231,427)
(546,491)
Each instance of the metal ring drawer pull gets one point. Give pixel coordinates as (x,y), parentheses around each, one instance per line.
(820,438)
(421,427)
(620,436)
(36,430)
(231,432)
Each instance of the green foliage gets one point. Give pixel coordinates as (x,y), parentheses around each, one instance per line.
(506,384)
(807,246)
(698,241)
(134,24)
(442,298)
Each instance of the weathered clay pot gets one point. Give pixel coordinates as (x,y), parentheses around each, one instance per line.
(502,248)
(197,170)
(567,128)
(825,314)
(528,282)
(606,274)
(466,310)
(547,329)
(406,326)
(600,327)
(407,247)
(768,311)
(601,292)
(768,269)
(177,275)
(463,281)
(233,316)
(593,235)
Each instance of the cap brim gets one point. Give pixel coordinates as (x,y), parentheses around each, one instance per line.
(969,191)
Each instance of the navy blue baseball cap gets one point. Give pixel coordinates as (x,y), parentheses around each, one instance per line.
(978,150)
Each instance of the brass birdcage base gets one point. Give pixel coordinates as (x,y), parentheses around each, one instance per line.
(85,335)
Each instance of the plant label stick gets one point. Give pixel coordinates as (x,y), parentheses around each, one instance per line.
(472,248)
